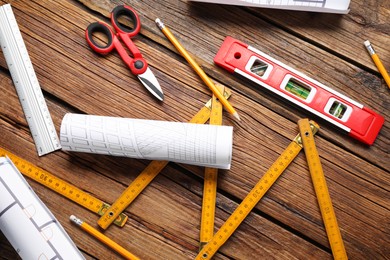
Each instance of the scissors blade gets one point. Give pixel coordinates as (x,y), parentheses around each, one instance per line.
(150,82)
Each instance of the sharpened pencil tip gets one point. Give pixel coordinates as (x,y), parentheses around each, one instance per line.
(235,114)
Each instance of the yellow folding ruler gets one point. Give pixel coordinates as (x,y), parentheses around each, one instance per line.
(60,186)
(149,173)
(210,185)
(304,139)
(322,192)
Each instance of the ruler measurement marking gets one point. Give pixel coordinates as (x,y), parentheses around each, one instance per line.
(26,84)
(210,185)
(322,192)
(60,186)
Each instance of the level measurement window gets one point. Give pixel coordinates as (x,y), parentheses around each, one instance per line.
(338,109)
(258,67)
(298,89)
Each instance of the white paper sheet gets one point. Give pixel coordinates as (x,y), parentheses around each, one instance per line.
(27,223)
(203,145)
(326,6)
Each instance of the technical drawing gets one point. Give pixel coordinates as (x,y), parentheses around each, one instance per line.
(27,223)
(326,6)
(196,144)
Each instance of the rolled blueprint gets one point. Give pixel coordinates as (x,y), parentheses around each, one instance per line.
(27,223)
(196,144)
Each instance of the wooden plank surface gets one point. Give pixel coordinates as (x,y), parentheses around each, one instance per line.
(164,220)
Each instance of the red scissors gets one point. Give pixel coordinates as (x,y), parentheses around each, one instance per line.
(137,63)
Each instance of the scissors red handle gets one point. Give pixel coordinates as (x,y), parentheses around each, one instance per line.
(137,64)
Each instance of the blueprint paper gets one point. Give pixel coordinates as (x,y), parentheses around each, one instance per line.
(326,6)
(196,144)
(27,223)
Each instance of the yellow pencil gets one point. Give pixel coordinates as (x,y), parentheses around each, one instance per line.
(197,69)
(378,62)
(100,236)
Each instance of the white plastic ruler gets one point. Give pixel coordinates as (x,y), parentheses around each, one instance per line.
(26,83)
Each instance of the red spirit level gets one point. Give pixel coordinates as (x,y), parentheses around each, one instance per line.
(358,121)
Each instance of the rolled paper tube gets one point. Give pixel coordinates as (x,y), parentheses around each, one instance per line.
(196,144)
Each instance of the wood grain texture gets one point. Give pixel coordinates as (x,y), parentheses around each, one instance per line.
(164,220)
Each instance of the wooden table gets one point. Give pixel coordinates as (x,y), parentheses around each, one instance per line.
(164,220)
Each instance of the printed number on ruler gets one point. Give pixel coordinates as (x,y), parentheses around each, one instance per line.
(61,187)
(254,197)
(210,185)
(26,84)
(148,174)
(321,190)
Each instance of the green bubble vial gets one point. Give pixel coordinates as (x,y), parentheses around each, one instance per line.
(298,89)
